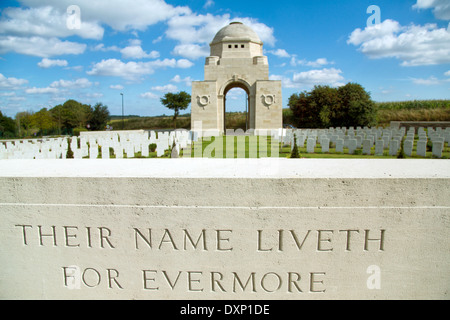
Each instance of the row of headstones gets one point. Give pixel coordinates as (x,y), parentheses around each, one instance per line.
(438,138)
(129,144)
(49,148)
(89,145)
(366,138)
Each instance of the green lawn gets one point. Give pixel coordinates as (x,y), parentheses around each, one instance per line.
(251,149)
(261,147)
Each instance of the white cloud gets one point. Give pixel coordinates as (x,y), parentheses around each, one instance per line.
(149,95)
(315,64)
(166,88)
(61,86)
(178,79)
(447,73)
(135,51)
(101,47)
(427,82)
(191,51)
(134,70)
(37,27)
(325,76)
(305,80)
(47,19)
(385,29)
(48,63)
(441,8)
(117,14)
(11,83)
(40,47)
(208,4)
(35,90)
(264,32)
(117,68)
(431,81)
(184,64)
(318,63)
(45,22)
(7,94)
(68,84)
(281,53)
(157,40)
(116,87)
(76,68)
(413,45)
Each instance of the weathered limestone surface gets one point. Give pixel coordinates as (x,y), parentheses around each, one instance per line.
(224,229)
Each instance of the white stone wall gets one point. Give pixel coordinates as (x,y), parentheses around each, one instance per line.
(307,229)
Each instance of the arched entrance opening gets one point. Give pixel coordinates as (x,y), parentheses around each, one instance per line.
(236,106)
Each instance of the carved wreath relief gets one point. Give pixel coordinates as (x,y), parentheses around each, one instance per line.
(268,99)
(204,100)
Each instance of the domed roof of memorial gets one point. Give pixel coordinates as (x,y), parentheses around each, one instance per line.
(236,31)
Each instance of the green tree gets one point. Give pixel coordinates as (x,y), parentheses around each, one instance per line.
(99,117)
(325,106)
(359,108)
(71,114)
(24,122)
(43,121)
(327,102)
(7,127)
(176,102)
(81,115)
(304,110)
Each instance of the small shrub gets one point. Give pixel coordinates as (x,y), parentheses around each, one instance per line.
(294,153)
(69,154)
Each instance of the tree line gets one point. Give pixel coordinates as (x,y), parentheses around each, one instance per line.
(70,118)
(322,107)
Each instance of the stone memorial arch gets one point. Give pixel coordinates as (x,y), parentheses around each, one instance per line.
(236,61)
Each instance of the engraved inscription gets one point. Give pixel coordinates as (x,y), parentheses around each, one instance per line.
(204,241)
(66,236)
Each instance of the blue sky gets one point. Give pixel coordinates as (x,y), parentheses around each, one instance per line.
(145,48)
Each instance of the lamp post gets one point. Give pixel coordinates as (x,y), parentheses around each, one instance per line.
(123,123)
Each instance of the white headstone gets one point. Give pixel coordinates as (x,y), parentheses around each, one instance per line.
(160,149)
(351,146)
(422,148)
(379,147)
(408,147)
(310,144)
(438,146)
(325,145)
(93,151)
(367,146)
(340,145)
(393,148)
(105,151)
